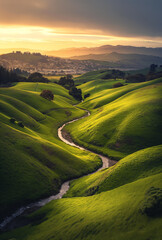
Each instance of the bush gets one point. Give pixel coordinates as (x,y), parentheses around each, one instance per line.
(67,81)
(12,120)
(37,77)
(76,93)
(47,94)
(152,205)
(86,95)
(20,124)
(118,85)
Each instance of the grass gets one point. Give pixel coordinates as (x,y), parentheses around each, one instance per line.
(34,162)
(115,203)
(110,215)
(124,124)
(141,164)
(57,78)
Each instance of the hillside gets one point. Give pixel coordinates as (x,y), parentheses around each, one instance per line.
(123,60)
(33,62)
(36,166)
(124,119)
(117,203)
(105,49)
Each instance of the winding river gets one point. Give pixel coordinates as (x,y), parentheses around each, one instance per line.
(13,221)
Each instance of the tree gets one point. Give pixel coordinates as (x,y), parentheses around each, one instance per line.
(67,81)
(86,95)
(47,94)
(20,124)
(153,68)
(12,120)
(76,93)
(37,77)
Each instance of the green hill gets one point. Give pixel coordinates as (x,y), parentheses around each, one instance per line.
(34,162)
(123,202)
(141,164)
(123,120)
(113,215)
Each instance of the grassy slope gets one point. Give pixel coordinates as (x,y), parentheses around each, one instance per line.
(124,124)
(141,164)
(110,215)
(114,212)
(34,161)
(90,76)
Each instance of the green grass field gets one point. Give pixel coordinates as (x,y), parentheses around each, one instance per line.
(125,124)
(34,162)
(122,120)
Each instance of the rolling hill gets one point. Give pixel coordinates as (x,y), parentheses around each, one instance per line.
(124,119)
(120,202)
(123,60)
(105,49)
(34,162)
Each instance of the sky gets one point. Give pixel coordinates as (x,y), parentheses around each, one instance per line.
(55,24)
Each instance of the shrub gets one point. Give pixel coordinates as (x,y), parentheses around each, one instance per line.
(152,205)
(86,95)
(76,93)
(47,94)
(67,81)
(118,85)
(37,77)
(12,120)
(20,124)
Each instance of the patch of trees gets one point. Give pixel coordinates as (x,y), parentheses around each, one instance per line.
(37,77)
(153,68)
(18,71)
(19,123)
(9,76)
(119,84)
(86,95)
(47,94)
(136,78)
(76,93)
(114,74)
(67,81)
(154,76)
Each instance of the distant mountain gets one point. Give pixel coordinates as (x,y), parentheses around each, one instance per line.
(129,60)
(36,62)
(70,52)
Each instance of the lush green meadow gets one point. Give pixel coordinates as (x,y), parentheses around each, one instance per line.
(34,162)
(122,120)
(125,124)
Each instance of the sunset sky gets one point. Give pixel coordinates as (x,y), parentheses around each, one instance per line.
(55,24)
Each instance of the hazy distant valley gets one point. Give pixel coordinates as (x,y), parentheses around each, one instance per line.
(79,61)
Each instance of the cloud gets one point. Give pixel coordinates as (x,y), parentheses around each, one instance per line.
(114,17)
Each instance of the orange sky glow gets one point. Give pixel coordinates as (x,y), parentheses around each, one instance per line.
(47,39)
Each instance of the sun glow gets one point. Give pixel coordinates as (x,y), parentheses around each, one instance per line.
(46,39)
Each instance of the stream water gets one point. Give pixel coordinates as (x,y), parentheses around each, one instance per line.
(16,219)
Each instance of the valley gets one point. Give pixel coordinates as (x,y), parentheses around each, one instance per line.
(124,125)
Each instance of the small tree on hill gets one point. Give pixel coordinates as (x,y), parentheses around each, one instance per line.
(47,94)
(76,93)
(37,77)
(67,81)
